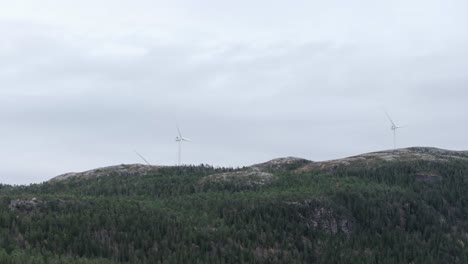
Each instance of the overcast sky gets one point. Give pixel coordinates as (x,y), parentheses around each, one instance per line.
(85,83)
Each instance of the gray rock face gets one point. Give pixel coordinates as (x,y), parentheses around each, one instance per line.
(376,158)
(121,170)
(26,205)
(323,219)
(288,163)
(256,175)
(429,178)
(247,178)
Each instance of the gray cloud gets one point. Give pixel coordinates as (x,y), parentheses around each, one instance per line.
(83,87)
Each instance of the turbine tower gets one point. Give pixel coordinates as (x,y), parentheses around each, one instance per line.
(394,129)
(179,139)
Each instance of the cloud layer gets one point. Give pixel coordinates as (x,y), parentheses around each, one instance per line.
(84,84)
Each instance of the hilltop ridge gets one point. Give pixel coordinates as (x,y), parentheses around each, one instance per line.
(394,155)
(294,164)
(123,169)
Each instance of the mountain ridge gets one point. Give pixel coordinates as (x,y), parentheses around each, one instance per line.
(295,164)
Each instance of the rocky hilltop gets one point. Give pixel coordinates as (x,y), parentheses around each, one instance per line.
(376,158)
(121,170)
(249,177)
(261,174)
(288,163)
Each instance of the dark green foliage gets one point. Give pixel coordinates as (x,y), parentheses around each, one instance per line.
(382,214)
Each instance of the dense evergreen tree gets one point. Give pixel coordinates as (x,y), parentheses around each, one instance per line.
(380,214)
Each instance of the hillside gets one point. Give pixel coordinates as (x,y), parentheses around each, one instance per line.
(398,206)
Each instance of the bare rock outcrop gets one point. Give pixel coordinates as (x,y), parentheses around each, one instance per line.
(255,175)
(248,178)
(119,170)
(321,218)
(376,158)
(287,163)
(264,173)
(26,205)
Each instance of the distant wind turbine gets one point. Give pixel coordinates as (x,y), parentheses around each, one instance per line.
(394,129)
(179,140)
(142,158)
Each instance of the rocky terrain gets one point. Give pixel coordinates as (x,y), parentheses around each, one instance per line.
(249,177)
(261,174)
(318,217)
(376,158)
(121,170)
(288,163)
(25,205)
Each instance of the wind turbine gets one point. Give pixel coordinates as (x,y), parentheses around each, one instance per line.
(394,129)
(179,139)
(142,158)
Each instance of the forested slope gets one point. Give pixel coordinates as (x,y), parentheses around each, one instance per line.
(367,209)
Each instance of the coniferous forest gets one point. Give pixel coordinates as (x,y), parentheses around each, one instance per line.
(385,213)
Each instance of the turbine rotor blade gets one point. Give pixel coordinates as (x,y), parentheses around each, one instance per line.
(142,158)
(178,131)
(391,121)
(186,139)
